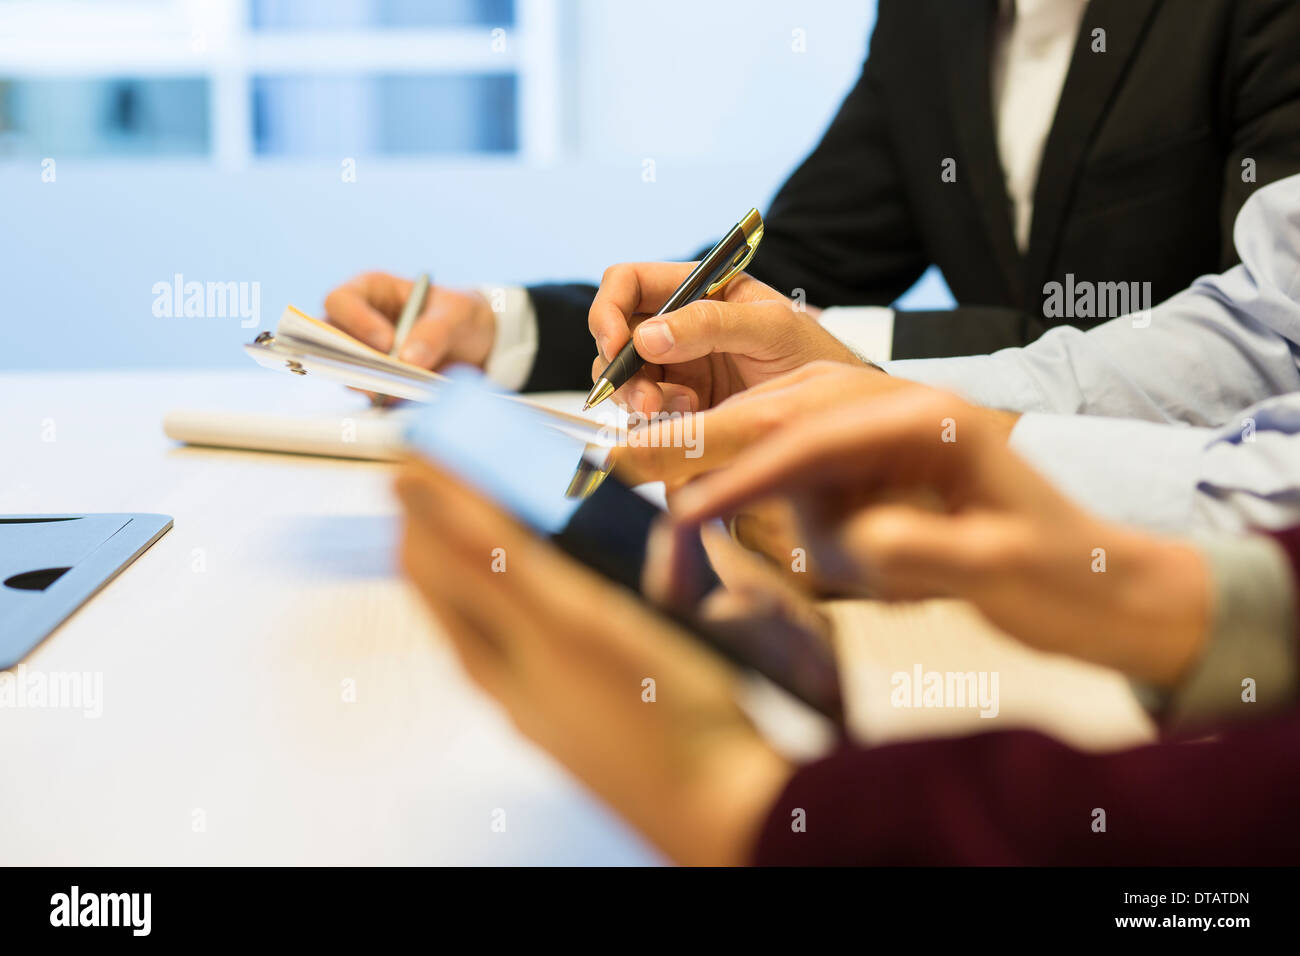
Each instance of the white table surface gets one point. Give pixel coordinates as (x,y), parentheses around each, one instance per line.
(224,650)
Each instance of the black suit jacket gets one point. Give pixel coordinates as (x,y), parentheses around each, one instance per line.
(1142,173)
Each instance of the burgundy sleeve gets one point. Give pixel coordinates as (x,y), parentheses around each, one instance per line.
(1290,542)
(1018,797)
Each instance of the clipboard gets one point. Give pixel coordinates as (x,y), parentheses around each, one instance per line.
(302,358)
(50,565)
(303,345)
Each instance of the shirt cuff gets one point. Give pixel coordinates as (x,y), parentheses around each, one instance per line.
(1248,667)
(514,350)
(994,381)
(867,330)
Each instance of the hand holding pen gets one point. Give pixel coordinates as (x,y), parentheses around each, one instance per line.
(450,325)
(703,351)
(719,266)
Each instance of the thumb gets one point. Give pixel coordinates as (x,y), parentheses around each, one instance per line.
(675,446)
(761,330)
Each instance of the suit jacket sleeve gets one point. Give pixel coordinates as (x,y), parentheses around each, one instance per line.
(1261,92)
(565,349)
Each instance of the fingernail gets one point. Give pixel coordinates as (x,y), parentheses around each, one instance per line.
(679,403)
(602,346)
(655,337)
(417,353)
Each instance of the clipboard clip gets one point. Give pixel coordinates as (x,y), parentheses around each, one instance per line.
(267,339)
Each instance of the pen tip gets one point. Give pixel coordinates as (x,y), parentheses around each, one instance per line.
(599,392)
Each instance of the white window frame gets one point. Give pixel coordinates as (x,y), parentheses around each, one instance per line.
(211,39)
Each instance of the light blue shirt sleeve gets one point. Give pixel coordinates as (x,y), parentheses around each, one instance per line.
(1174,477)
(1185,415)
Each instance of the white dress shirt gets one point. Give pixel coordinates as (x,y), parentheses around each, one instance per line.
(1031,56)
(1182,417)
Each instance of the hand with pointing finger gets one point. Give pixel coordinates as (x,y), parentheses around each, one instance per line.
(658,450)
(889,507)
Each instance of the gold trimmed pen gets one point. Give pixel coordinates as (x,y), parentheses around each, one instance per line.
(723,262)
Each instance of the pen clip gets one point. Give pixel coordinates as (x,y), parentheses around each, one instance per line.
(753,237)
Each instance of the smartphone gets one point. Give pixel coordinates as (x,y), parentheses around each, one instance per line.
(526,461)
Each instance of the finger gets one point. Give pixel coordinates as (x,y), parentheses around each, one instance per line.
(470,544)
(741,569)
(386,292)
(626,290)
(742,604)
(649,396)
(675,447)
(526,578)
(665,562)
(642,394)
(638,394)
(678,398)
(782,553)
(812,372)
(676,575)
(759,330)
(896,434)
(479,653)
(767,528)
(429,340)
(348,308)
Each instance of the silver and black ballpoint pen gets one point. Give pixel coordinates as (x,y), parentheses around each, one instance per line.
(715,270)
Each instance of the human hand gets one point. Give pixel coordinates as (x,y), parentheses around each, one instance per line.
(916,494)
(707,351)
(566,654)
(674,448)
(453,327)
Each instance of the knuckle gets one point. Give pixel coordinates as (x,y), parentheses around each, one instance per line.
(823,367)
(887,537)
(767,416)
(599,318)
(702,318)
(1007,552)
(614,272)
